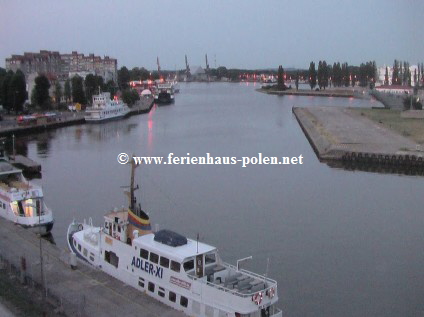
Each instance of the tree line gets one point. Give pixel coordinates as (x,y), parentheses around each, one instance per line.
(341,75)
(401,74)
(12,90)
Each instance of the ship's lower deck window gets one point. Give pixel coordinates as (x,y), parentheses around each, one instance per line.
(141,282)
(79,247)
(84,252)
(111,258)
(151,287)
(161,292)
(172,297)
(183,301)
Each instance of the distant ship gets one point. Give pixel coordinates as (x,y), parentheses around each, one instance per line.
(185,274)
(21,201)
(104,108)
(164,93)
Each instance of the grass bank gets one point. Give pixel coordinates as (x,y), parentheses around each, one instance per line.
(391,119)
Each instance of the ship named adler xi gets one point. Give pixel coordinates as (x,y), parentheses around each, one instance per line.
(185,274)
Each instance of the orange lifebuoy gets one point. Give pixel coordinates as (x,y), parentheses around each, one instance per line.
(257,298)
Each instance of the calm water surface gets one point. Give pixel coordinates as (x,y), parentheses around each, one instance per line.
(339,243)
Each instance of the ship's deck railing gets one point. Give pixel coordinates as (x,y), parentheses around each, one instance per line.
(269,283)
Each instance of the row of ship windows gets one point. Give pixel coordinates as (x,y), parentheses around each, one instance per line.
(183,301)
(175,266)
(112,111)
(161,292)
(162,261)
(84,252)
(2,205)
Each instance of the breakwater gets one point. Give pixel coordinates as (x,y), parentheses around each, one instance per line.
(344,135)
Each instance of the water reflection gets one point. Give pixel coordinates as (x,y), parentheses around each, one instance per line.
(108,130)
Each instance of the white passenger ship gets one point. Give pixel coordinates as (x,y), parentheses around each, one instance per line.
(104,108)
(185,274)
(22,201)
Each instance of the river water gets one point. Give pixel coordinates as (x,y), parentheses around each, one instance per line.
(339,243)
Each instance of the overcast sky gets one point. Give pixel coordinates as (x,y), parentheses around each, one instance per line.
(235,34)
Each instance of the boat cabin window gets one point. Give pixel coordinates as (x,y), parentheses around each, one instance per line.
(29,208)
(188,265)
(154,257)
(183,301)
(151,287)
(144,254)
(106,224)
(175,266)
(172,296)
(161,292)
(210,258)
(164,262)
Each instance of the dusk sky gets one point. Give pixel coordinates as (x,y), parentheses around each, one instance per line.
(235,34)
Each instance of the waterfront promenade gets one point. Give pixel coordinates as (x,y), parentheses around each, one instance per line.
(84,291)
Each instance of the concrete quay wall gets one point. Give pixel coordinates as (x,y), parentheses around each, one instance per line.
(320,93)
(341,134)
(84,291)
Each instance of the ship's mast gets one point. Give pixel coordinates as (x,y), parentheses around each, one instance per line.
(132,188)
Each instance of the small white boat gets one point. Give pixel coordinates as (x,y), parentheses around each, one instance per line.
(104,108)
(21,201)
(183,273)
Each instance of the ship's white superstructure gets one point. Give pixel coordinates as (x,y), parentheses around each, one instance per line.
(104,108)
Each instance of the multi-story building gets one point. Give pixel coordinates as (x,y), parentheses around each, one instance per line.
(63,65)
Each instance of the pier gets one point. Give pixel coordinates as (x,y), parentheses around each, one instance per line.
(26,164)
(84,291)
(345,135)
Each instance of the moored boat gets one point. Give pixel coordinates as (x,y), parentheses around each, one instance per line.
(22,201)
(104,108)
(183,273)
(164,93)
